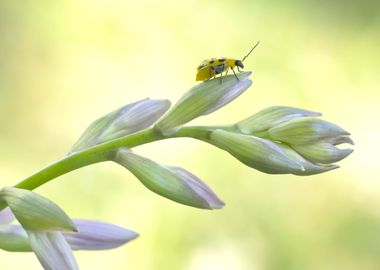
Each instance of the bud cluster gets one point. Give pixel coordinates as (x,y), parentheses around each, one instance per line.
(276,140)
(284,140)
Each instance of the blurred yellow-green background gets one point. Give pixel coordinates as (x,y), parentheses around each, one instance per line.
(64,63)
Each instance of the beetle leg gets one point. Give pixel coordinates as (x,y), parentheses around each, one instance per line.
(221,75)
(235,74)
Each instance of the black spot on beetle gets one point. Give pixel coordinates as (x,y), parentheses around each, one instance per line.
(222,59)
(219,68)
(212,62)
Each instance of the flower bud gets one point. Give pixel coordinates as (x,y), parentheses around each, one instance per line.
(203,99)
(173,183)
(91,235)
(126,120)
(95,235)
(310,168)
(35,212)
(305,130)
(255,152)
(322,152)
(270,117)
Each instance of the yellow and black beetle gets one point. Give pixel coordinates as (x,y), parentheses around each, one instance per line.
(211,67)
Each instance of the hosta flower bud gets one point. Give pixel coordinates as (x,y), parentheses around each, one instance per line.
(126,120)
(308,140)
(203,99)
(305,130)
(322,152)
(173,183)
(255,152)
(91,235)
(96,235)
(35,212)
(310,168)
(270,117)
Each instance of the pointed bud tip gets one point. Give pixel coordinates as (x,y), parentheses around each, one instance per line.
(317,169)
(217,206)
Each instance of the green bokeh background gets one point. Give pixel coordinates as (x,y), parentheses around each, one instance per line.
(64,63)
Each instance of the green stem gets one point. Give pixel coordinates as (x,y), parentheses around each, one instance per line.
(104,152)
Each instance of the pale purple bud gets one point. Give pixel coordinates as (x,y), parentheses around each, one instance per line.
(173,183)
(124,121)
(91,235)
(203,99)
(305,130)
(310,168)
(95,235)
(258,153)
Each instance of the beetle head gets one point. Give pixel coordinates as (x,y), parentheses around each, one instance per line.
(239,63)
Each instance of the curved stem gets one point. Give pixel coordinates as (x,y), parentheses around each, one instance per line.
(104,152)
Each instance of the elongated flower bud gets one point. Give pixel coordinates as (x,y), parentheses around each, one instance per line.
(203,99)
(255,152)
(91,235)
(270,117)
(96,235)
(173,183)
(126,120)
(310,168)
(35,212)
(305,130)
(322,152)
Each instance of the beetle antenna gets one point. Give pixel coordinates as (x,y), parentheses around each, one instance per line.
(250,51)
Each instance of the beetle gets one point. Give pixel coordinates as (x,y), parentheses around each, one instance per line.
(211,67)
